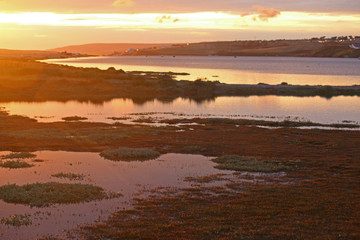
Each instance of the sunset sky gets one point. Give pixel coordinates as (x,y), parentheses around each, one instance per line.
(45,24)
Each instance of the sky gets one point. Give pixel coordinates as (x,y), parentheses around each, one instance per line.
(46,24)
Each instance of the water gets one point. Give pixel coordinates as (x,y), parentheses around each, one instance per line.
(315,109)
(241,70)
(250,70)
(132,179)
(170,170)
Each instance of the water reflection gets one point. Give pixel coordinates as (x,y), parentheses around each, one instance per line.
(129,178)
(315,109)
(244,70)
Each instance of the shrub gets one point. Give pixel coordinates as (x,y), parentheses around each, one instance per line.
(74,118)
(17,220)
(130,154)
(15,164)
(70,176)
(253,164)
(46,194)
(18,155)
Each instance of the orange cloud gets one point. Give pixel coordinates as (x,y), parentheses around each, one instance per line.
(167,19)
(123,3)
(265,13)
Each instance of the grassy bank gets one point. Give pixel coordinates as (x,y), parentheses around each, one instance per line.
(34,81)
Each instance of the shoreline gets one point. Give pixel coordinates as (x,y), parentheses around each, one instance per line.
(19,133)
(310,190)
(42,81)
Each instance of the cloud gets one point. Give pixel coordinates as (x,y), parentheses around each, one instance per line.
(166,19)
(123,3)
(264,14)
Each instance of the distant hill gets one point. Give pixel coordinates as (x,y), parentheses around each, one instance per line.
(293,48)
(106,48)
(24,52)
(31,54)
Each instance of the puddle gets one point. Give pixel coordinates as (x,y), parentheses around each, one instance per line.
(131,179)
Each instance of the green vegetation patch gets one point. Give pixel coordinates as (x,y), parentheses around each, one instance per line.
(46,194)
(38,160)
(74,118)
(17,220)
(206,179)
(130,154)
(119,118)
(15,164)
(254,164)
(19,155)
(70,176)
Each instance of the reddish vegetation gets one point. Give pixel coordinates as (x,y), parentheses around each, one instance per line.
(320,199)
(313,209)
(211,140)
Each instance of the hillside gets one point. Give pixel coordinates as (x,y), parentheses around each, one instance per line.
(32,54)
(288,48)
(293,48)
(106,48)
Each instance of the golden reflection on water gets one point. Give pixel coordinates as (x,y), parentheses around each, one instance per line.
(300,71)
(316,109)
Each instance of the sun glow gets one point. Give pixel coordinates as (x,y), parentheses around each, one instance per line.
(45,30)
(200,20)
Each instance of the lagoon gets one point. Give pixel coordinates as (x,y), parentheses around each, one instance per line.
(276,108)
(239,70)
(271,70)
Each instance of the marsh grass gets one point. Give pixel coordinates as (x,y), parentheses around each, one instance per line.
(74,118)
(206,179)
(70,176)
(14,164)
(17,220)
(19,155)
(119,118)
(46,194)
(144,120)
(262,212)
(254,164)
(254,122)
(38,160)
(44,134)
(130,154)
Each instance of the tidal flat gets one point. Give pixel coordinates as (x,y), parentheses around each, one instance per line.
(215,179)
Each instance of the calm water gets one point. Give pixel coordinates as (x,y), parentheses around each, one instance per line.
(129,178)
(170,170)
(252,70)
(246,70)
(315,109)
